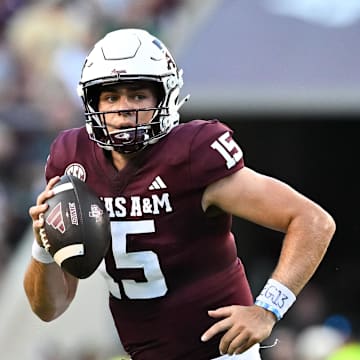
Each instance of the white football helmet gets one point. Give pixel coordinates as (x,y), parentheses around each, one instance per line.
(130,55)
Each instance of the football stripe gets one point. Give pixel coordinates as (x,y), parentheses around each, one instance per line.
(68,252)
(63,187)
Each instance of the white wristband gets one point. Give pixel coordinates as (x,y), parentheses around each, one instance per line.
(40,254)
(275,297)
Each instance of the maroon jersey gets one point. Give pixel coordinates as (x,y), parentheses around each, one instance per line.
(169,262)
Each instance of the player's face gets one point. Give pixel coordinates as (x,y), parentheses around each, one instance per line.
(127,96)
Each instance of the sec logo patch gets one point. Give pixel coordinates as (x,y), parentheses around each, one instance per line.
(76,170)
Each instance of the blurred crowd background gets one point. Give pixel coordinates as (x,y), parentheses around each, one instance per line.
(42,48)
(43,45)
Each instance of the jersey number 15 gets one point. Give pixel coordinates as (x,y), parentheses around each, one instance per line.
(148,261)
(228,149)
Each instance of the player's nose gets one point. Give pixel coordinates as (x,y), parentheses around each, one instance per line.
(123,103)
(124,106)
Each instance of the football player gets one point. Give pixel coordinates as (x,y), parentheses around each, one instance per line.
(177,289)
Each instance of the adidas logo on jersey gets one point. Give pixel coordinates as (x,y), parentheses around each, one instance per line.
(157,184)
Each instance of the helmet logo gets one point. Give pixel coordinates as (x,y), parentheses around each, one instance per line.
(122,136)
(117,72)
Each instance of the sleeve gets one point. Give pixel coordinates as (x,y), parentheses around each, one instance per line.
(62,152)
(51,168)
(214,153)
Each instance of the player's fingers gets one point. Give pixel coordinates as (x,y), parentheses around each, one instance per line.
(48,192)
(232,339)
(244,341)
(40,221)
(221,312)
(36,210)
(218,327)
(52,182)
(239,345)
(37,215)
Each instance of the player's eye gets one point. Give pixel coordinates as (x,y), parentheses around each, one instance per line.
(109,97)
(138,96)
(112,98)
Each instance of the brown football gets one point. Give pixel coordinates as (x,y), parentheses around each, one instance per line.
(77,227)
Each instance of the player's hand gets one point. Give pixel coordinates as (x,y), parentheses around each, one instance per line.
(244,326)
(36,212)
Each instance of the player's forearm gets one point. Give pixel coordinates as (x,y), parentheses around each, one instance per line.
(49,289)
(305,244)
